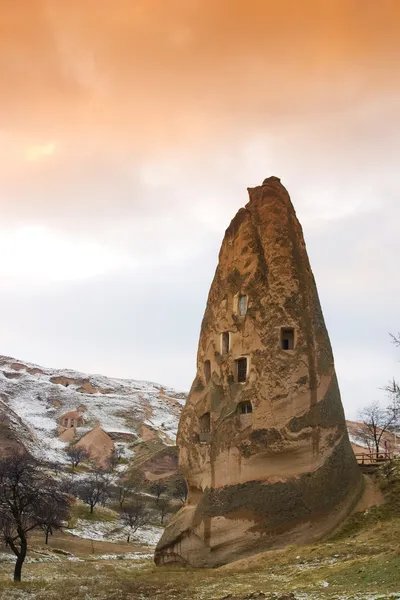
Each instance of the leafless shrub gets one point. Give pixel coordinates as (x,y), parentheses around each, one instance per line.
(28,499)
(135,515)
(76,455)
(376,421)
(157,488)
(178,488)
(164,508)
(94,489)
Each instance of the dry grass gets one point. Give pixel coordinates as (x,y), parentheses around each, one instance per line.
(358,567)
(80,547)
(362,562)
(79,510)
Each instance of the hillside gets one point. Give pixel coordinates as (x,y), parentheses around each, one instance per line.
(33,400)
(360,562)
(36,403)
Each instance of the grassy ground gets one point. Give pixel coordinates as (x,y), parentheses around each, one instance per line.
(363,566)
(79,510)
(362,562)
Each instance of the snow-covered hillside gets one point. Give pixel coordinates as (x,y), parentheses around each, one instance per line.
(34,399)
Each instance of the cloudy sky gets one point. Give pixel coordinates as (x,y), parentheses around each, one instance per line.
(129,131)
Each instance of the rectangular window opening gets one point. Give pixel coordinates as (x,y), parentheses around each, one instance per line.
(287,338)
(207,370)
(205,423)
(205,428)
(245,408)
(241,366)
(225,342)
(242,305)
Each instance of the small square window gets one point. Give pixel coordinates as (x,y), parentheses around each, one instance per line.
(287,338)
(241,366)
(205,428)
(245,408)
(205,423)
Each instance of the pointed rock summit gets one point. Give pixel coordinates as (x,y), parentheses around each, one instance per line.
(262,438)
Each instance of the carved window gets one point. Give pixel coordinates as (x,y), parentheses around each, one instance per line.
(225,342)
(245,408)
(241,370)
(207,370)
(242,305)
(205,428)
(205,423)
(287,338)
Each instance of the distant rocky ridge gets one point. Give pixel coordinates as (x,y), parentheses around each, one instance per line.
(47,409)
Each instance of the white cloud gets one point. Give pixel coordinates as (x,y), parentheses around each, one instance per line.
(37,255)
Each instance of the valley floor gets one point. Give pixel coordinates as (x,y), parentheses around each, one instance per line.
(359,565)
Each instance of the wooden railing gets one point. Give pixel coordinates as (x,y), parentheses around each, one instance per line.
(371,458)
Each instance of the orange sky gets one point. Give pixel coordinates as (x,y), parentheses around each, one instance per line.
(158,72)
(129,131)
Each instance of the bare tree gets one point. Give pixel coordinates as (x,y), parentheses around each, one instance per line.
(164,508)
(157,488)
(376,421)
(395,339)
(179,488)
(53,511)
(76,455)
(393,391)
(126,488)
(94,489)
(135,515)
(24,489)
(56,467)
(113,461)
(122,491)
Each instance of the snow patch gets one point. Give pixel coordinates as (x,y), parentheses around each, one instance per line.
(119,407)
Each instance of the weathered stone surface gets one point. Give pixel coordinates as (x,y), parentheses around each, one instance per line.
(98,445)
(285,472)
(73,418)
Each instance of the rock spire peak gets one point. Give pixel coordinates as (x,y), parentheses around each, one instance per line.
(262,438)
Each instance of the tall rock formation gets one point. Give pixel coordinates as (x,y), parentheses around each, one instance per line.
(262,438)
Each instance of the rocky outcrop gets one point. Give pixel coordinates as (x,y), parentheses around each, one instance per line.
(67,434)
(14,434)
(73,418)
(262,438)
(46,401)
(62,380)
(98,445)
(162,465)
(85,386)
(22,367)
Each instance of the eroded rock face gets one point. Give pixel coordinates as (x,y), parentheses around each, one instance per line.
(262,438)
(98,445)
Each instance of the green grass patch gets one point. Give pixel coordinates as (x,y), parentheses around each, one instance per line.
(388,479)
(79,510)
(81,468)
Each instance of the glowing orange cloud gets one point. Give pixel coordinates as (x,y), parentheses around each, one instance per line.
(159,72)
